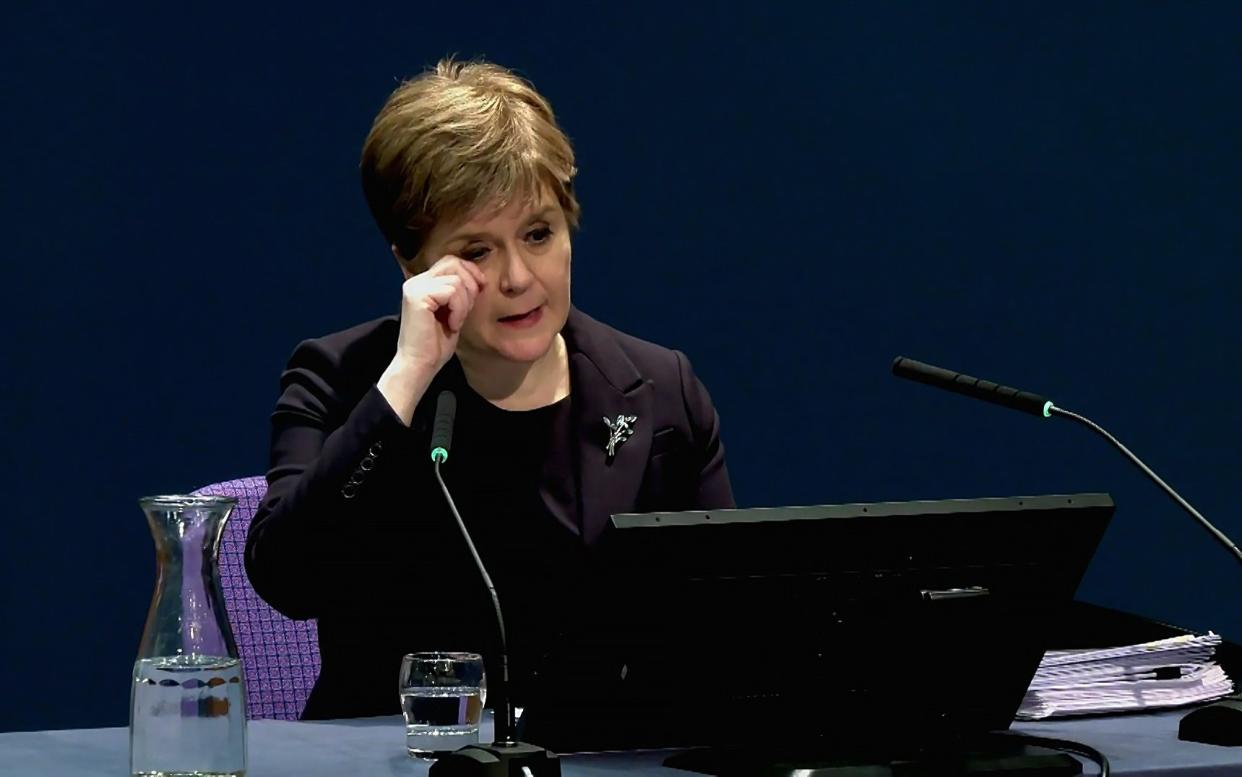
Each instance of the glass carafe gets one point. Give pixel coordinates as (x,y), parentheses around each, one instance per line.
(188,700)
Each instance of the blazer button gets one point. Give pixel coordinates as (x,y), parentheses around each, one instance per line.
(367,464)
(349,491)
(376,448)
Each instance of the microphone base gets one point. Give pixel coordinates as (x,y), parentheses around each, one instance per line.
(499,759)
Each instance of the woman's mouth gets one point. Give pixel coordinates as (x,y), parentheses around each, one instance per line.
(524,320)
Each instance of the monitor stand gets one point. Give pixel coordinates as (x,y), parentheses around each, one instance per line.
(1004,758)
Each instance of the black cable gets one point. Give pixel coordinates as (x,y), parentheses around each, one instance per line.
(1068,745)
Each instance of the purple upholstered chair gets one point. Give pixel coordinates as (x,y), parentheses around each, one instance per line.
(280,656)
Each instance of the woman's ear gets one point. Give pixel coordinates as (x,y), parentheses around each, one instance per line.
(406,265)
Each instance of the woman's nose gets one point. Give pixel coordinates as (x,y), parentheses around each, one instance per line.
(515,276)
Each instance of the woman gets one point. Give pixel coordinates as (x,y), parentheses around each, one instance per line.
(561,422)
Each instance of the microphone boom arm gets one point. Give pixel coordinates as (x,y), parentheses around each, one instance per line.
(505,723)
(1220,537)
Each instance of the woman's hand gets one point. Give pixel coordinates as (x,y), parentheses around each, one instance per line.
(434,306)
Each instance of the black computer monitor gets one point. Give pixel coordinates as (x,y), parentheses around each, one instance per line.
(875,626)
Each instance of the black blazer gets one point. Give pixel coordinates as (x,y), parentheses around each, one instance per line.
(353,530)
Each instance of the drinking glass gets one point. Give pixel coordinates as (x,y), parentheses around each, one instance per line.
(442,698)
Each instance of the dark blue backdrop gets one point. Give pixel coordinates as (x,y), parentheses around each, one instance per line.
(1044,194)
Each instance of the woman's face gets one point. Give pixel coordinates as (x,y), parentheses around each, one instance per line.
(524,253)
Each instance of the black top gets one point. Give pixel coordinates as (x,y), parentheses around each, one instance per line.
(501,464)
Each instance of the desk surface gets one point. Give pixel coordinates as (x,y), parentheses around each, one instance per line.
(1135,744)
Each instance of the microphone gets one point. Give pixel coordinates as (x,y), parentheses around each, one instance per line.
(1037,405)
(442,429)
(505,756)
(971,386)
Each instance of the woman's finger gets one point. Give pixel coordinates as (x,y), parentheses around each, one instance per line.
(460,304)
(449,264)
(440,290)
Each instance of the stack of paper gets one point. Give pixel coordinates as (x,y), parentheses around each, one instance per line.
(1165,673)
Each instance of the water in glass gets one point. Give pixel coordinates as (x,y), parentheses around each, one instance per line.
(441,719)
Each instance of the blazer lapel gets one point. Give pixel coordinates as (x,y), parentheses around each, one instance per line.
(605,384)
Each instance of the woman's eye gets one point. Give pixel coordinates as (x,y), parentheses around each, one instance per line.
(539,234)
(474,254)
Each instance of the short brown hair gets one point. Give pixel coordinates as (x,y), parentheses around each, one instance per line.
(455,138)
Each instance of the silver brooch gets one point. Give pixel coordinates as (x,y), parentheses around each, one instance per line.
(619,431)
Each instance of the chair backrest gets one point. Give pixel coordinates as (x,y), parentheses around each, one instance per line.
(280,656)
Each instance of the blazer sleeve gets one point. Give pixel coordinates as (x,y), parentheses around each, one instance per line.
(310,532)
(714,490)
